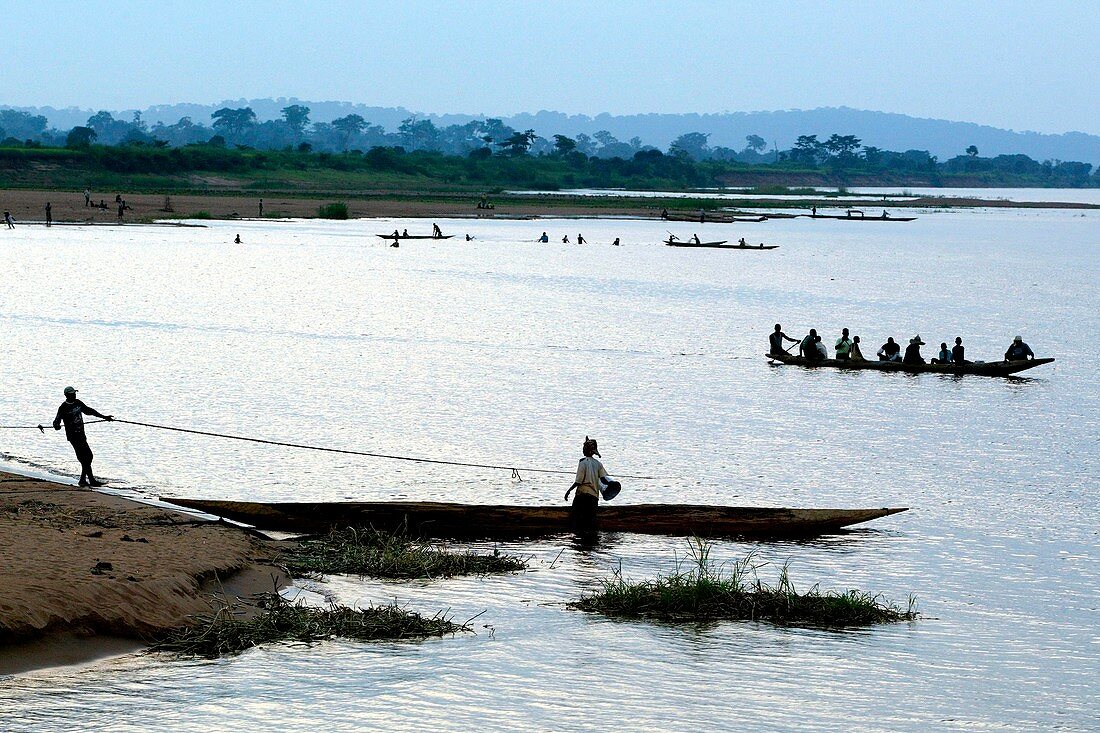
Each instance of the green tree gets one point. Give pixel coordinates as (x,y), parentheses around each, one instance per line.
(691,145)
(564,145)
(349,126)
(519,142)
(296,117)
(757,143)
(233,122)
(80,137)
(972,151)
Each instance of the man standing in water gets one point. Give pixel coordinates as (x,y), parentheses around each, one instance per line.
(589,472)
(72,413)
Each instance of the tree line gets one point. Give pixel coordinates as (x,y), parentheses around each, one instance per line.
(238,129)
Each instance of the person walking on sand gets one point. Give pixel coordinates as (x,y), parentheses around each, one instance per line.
(121,210)
(49,214)
(72,412)
(87,198)
(8,220)
(589,472)
(261,208)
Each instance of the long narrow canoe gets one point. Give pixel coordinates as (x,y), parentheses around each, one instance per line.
(412,236)
(716,218)
(860,218)
(979,368)
(718,245)
(437,519)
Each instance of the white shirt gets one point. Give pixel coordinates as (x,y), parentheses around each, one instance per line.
(589,473)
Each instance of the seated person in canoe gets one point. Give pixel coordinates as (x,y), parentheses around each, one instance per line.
(944,357)
(808,348)
(854,354)
(912,351)
(776,339)
(1019,351)
(890,351)
(958,352)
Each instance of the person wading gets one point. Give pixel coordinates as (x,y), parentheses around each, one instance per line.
(72,413)
(589,472)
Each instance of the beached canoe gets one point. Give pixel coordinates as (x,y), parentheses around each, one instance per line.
(412,236)
(718,245)
(438,519)
(978,368)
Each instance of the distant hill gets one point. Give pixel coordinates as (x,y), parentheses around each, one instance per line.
(886,130)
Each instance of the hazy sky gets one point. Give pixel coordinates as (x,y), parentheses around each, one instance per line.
(1023,65)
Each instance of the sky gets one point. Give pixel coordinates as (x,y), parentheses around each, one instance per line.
(1019,65)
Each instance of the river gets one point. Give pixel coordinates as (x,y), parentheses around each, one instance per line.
(502,350)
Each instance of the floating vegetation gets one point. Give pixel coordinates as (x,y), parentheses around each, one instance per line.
(704,591)
(354,551)
(269,618)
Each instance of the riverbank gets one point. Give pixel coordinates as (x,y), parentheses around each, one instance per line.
(67,207)
(87,574)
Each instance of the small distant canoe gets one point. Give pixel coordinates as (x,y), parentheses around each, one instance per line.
(861,217)
(978,368)
(438,519)
(717,245)
(716,218)
(412,236)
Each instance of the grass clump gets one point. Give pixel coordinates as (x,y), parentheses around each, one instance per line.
(353,551)
(269,618)
(333,211)
(704,591)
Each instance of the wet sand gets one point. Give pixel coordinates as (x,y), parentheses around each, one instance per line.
(29,206)
(86,574)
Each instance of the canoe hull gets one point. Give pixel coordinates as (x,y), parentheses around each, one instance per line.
(718,245)
(412,236)
(981,369)
(439,519)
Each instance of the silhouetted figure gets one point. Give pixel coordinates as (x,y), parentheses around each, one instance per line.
(469,238)
(664,213)
(405,233)
(958,351)
(890,351)
(886,214)
(702,216)
(87,197)
(8,220)
(565,239)
(807,348)
(72,413)
(49,214)
(436,231)
(742,242)
(590,471)
(776,339)
(813,211)
(944,357)
(695,238)
(615,243)
(237,239)
(843,346)
(118,198)
(544,238)
(261,208)
(580,239)
(912,351)
(121,209)
(1019,351)
(856,354)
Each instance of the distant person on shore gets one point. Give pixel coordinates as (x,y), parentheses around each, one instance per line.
(436,231)
(890,351)
(544,238)
(807,349)
(587,483)
(958,351)
(49,214)
(843,346)
(944,357)
(261,208)
(856,354)
(103,204)
(813,211)
(702,216)
(1019,351)
(912,351)
(580,239)
(121,209)
(118,198)
(664,213)
(237,239)
(615,243)
(87,197)
(776,339)
(72,413)
(8,220)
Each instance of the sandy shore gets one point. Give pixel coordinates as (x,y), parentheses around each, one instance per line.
(29,206)
(87,574)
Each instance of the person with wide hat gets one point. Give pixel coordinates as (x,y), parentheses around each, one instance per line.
(912,351)
(1019,351)
(589,482)
(72,412)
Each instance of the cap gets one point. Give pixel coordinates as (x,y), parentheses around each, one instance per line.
(1018,338)
(70,390)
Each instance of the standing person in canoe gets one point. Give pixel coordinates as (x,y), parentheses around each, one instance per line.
(912,351)
(1019,351)
(776,339)
(580,239)
(589,472)
(72,412)
(843,346)
(436,231)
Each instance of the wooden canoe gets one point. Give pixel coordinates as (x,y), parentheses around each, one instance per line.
(718,245)
(979,368)
(861,217)
(412,236)
(438,519)
(716,218)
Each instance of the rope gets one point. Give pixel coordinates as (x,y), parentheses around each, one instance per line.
(437,461)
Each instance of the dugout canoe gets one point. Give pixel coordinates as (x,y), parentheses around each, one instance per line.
(977,368)
(717,245)
(439,519)
(412,236)
(860,218)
